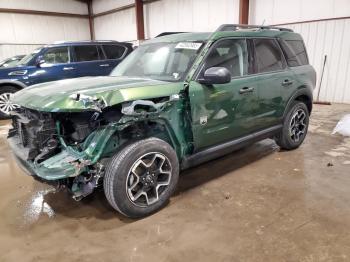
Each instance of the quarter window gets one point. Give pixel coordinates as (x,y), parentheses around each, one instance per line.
(231,54)
(114,51)
(86,53)
(57,55)
(268,55)
(295,52)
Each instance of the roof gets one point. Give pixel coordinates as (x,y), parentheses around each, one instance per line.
(183,37)
(88,42)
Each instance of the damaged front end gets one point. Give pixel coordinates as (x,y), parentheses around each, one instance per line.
(71,149)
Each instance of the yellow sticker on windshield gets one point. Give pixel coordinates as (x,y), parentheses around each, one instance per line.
(188,45)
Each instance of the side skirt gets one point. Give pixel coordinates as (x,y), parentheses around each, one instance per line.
(216,151)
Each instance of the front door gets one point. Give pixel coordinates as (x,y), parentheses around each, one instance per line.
(224,112)
(55,66)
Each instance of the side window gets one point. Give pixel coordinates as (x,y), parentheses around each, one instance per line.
(86,53)
(56,55)
(295,52)
(229,53)
(114,51)
(268,55)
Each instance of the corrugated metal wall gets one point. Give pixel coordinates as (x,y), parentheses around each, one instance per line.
(162,16)
(21,33)
(322,38)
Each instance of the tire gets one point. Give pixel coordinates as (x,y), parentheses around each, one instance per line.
(5,107)
(295,127)
(125,190)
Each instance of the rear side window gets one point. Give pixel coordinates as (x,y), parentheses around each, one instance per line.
(86,53)
(114,51)
(295,52)
(268,55)
(56,55)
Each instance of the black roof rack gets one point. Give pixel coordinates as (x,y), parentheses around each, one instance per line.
(169,33)
(235,27)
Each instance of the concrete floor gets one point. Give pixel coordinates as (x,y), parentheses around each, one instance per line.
(257,204)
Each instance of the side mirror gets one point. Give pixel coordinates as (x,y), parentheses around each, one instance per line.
(39,61)
(216,75)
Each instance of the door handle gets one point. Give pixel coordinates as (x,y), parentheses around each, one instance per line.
(246,89)
(104,65)
(68,68)
(287,82)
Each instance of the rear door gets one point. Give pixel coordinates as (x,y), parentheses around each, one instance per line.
(113,55)
(274,78)
(87,60)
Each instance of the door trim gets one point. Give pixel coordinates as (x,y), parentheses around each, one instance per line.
(219,150)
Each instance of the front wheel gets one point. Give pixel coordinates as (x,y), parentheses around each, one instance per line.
(6,106)
(295,127)
(141,177)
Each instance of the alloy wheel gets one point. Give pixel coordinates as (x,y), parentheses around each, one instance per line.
(5,103)
(297,127)
(148,179)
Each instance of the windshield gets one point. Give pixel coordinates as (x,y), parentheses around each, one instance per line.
(160,61)
(28,57)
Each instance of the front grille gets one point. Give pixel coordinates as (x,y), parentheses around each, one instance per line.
(33,130)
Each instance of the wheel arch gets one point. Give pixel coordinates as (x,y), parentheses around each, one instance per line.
(16,84)
(302,94)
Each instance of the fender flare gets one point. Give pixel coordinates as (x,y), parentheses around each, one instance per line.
(301,91)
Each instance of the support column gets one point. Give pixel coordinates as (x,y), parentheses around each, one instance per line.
(91,20)
(243,11)
(140,26)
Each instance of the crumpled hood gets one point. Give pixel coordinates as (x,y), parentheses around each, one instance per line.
(73,95)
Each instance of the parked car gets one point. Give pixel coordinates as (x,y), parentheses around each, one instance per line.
(11,62)
(60,61)
(175,102)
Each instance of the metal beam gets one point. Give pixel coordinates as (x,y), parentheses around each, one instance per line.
(91,20)
(243,11)
(35,12)
(140,24)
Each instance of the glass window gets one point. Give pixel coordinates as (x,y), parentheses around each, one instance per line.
(160,61)
(295,52)
(114,51)
(56,55)
(86,53)
(231,54)
(268,55)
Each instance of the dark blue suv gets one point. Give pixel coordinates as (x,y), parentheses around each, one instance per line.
(60,61)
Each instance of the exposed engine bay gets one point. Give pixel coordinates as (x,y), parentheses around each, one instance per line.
(72,148)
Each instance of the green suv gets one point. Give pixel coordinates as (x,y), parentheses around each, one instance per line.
(176,101)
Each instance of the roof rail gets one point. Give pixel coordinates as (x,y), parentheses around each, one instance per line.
(169,33)
(235,27)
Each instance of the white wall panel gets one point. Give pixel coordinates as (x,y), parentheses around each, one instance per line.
(7,51)
(329,38)
(119,26)
(64,6)
(100,6)
(35,29)
(286,11)
(189,15)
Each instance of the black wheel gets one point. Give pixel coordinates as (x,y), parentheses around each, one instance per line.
(5,105)
(140,178)
(295,127)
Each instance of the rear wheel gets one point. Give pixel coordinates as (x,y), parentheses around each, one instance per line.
(6,106)
(140,178)
(295,127)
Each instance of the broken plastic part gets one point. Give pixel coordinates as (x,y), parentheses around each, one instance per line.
(89,102)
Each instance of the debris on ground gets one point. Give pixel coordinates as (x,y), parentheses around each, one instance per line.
(330,164)
(343,126)
(227,195)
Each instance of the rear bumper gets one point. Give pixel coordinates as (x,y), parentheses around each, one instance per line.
(55,168)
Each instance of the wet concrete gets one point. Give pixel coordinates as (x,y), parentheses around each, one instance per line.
(258,204)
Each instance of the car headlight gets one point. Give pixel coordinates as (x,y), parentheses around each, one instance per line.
(18,73)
